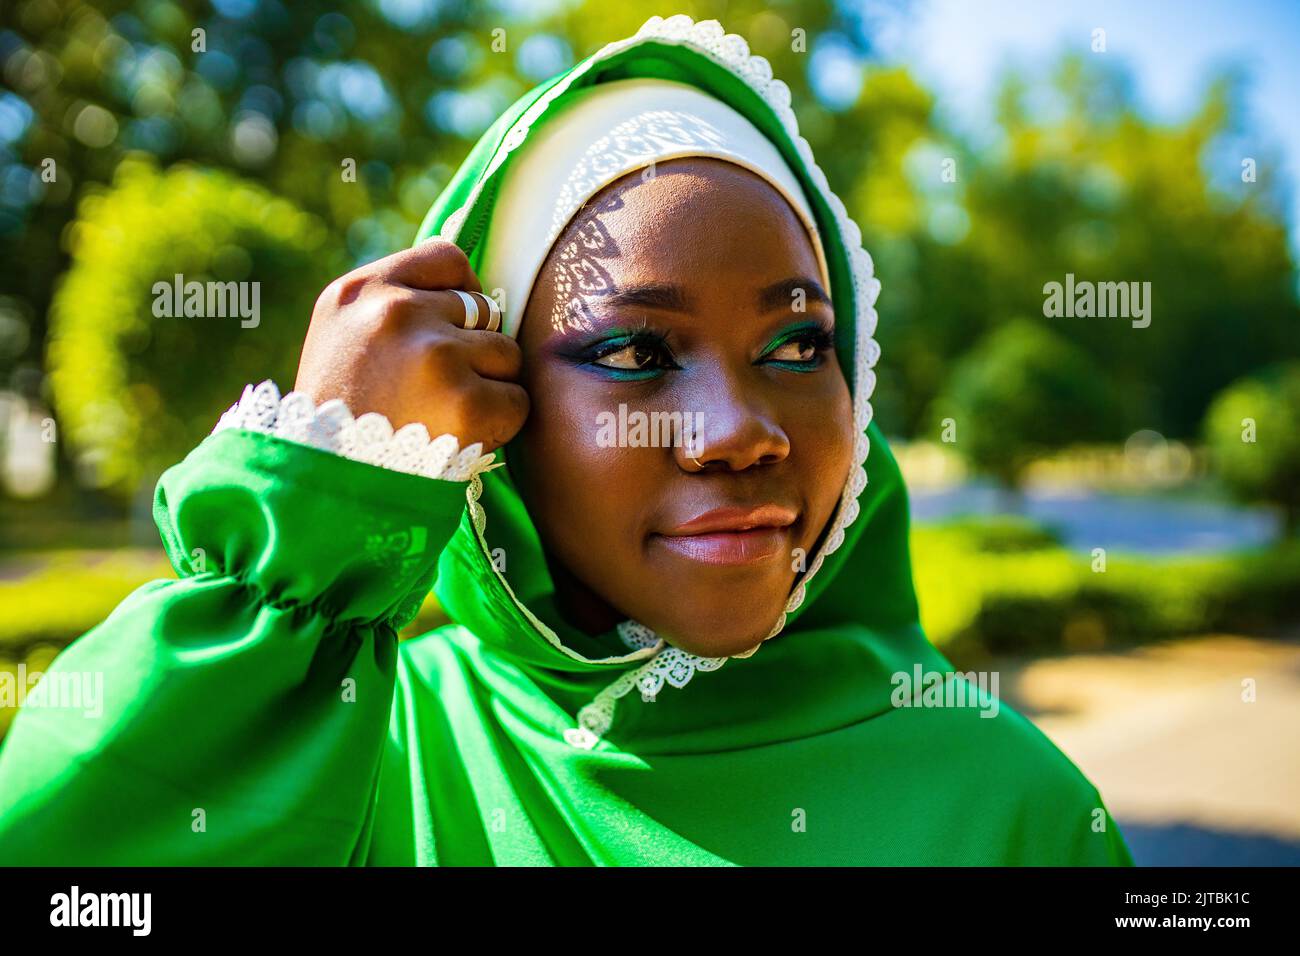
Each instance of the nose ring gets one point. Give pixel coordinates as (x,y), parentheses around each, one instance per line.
(689,447)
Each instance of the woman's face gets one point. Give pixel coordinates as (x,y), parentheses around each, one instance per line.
(690,290)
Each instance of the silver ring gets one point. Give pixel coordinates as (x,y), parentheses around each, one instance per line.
(494,314)
(471,309)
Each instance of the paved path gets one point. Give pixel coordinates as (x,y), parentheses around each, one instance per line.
(1193,774)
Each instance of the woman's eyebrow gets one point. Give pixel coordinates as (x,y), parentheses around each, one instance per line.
(671,298)
(780,294)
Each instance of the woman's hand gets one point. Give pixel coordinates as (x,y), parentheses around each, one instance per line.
(386,338)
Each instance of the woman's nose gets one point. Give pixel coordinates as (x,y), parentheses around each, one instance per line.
(730,427)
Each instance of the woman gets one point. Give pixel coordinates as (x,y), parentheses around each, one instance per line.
(657,241)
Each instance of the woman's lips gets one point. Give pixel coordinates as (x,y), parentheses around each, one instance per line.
(728,547)
(732,535)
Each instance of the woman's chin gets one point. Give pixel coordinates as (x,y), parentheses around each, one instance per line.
(720,632)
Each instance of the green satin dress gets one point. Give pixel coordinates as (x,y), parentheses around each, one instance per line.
(260,708)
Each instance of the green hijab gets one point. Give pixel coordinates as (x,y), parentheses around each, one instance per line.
(510,737)
(508,609)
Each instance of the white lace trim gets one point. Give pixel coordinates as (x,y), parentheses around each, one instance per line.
(732,52)
(368,439)
(479,519)
(670,665)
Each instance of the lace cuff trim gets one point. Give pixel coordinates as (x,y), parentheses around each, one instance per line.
(370,438)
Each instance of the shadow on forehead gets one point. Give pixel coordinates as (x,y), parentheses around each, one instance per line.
(577,272)
(575,261)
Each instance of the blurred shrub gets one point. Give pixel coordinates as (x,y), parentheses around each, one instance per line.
(134,392)
(1001,534)
(1043,599)
(64,593)
(36,660)
(1024,392)
(1253,432)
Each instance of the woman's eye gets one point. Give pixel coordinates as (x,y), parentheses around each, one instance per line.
(634,357)
(797,350)
(802,349)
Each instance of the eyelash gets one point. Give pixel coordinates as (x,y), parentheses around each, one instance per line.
(821,339)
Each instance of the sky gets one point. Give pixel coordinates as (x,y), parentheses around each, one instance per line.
(1170,47)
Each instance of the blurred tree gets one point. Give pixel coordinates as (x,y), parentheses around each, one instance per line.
(354,113)
(1022,392)
(135,380)
(896,184)
(1078,181)
(1253,433)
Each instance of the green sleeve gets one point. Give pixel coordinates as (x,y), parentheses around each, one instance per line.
(242,708)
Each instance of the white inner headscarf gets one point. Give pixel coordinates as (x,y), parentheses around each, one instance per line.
(602,134)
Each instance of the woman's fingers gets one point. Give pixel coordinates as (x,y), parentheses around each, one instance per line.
(490,354)
(433,264)
(501,408)
(390,338)
(494,355)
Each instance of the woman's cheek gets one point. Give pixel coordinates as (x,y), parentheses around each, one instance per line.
(823,443)
(585,478)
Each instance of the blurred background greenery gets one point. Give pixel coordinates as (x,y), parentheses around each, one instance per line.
(1080,486)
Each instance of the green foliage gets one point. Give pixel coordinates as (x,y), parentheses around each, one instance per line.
(281,93)
(135,391)
(1253,433)
(1002,534)
(1047,599)
(1077,180)
(1023,392)
(21,672)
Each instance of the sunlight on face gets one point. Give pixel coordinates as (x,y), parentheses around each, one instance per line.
(691,294)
